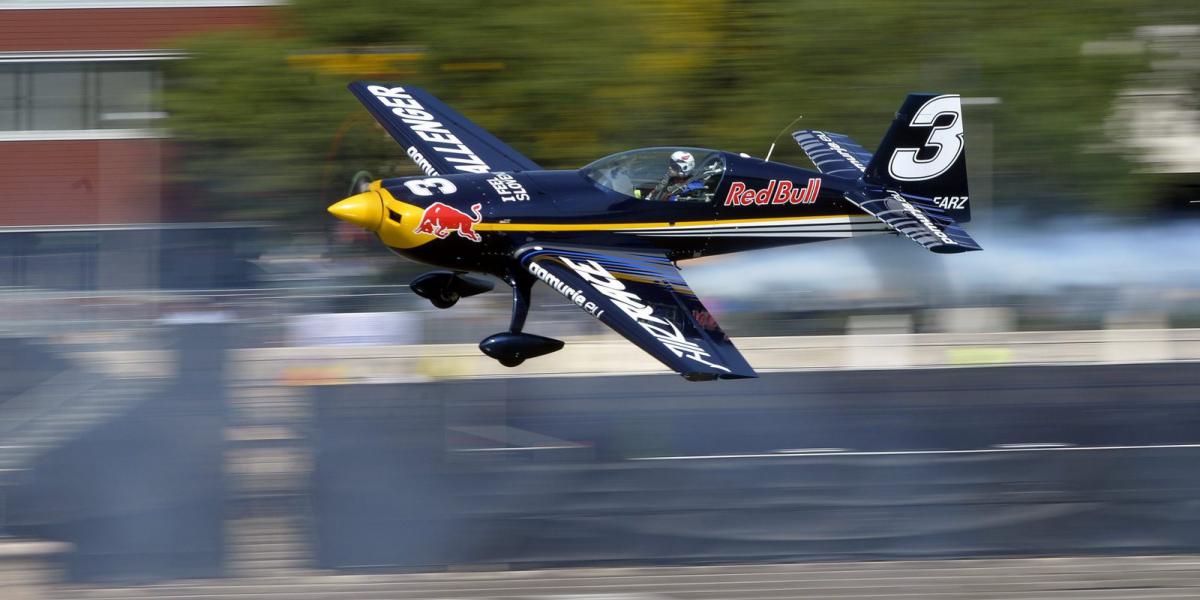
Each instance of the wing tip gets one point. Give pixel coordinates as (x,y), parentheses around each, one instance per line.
(948,249)
(715,375)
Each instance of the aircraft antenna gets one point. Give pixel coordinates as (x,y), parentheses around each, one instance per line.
(785,128)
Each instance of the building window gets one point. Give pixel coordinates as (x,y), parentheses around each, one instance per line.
(127,96)
(58,96)
(9,93)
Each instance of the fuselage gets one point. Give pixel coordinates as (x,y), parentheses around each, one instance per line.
(473,222)
(606,236)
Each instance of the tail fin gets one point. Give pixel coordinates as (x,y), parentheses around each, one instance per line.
(923,154)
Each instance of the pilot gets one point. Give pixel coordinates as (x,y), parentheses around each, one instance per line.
(675,183)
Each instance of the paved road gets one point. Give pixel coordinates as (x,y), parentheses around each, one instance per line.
(1098,578)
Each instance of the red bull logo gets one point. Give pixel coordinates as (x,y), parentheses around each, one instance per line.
(442,219)
(778,191)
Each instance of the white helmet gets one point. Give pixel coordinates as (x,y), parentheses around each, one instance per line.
(681,163)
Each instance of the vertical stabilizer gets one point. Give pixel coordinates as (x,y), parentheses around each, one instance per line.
(923,154)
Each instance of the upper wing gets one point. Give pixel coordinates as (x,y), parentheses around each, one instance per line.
(833,153)
(436,137)
(642,297)
(917,218)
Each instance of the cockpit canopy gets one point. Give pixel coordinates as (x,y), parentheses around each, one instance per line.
(648,174)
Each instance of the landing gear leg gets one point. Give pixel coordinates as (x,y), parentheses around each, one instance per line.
(522,286)
(512,347)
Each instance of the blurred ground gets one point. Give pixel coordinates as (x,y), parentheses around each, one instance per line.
(1093,578)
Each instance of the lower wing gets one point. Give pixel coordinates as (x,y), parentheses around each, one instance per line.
(642,297)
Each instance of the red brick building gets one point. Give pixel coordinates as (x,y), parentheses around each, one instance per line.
(80,85)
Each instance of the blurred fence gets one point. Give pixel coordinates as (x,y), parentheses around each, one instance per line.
(135,256)
(203,472)
(129,471)
(890,464)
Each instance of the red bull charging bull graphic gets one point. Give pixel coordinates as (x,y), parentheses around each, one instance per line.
(441,219)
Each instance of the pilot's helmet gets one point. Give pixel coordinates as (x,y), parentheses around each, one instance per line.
(681,164)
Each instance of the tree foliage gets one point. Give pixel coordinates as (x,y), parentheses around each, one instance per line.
(567,82)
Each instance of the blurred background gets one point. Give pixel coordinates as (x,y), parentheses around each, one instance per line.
(208,386)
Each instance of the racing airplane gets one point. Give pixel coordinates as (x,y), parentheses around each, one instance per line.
(608,236)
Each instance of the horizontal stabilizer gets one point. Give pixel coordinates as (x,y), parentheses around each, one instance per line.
(919,219)
(833,153)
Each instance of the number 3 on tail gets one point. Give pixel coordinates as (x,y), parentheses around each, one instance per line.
(946,140)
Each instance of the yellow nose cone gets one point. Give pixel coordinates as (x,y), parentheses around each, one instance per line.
(364,210)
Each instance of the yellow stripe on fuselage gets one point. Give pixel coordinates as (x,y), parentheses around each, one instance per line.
(624,226)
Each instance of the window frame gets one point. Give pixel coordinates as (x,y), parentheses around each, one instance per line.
(91,65)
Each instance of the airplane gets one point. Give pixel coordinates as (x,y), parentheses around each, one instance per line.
(608,236)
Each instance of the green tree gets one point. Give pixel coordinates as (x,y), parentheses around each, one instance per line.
(847,65)
(567,82)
